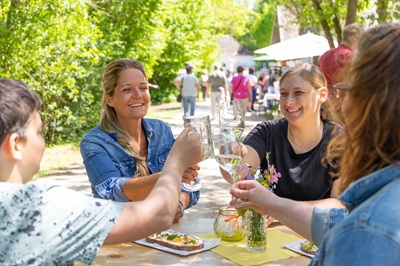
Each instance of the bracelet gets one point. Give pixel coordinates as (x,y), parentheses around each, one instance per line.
(182,209)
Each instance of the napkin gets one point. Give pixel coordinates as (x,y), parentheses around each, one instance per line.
(236,251)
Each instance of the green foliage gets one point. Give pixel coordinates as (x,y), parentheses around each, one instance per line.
(259,25)
(61,47)
(49,45)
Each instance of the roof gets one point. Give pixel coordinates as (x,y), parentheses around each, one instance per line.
(230,46)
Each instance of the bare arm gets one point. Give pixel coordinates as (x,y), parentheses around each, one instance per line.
(249,91)
(177,83)
(156,212)
(331,202)
(295,215)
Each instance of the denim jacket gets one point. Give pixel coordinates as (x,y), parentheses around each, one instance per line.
(109,165)
(370,234)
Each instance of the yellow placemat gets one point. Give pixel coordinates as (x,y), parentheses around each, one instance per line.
(236,251)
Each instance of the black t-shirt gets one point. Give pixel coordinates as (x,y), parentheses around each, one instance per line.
(303,177)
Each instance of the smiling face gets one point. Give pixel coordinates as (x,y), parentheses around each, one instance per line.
(300,101)
(131,97)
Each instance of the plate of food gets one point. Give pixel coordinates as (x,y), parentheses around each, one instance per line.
(303,247)
(178,243)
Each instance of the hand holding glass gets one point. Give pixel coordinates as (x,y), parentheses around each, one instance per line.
(203,126)
(227,150)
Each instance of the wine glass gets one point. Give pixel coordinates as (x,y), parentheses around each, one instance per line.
(227,150)
(228,154)
(201,125)
(231,117)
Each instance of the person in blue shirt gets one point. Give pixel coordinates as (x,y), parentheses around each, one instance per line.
(126,152)
(43,223)
(367,152)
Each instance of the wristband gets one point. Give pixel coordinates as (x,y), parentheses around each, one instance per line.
(182,209)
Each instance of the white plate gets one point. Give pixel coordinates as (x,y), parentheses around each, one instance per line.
(295,246)
(208,244)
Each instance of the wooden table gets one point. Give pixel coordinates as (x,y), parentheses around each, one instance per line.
(134,254)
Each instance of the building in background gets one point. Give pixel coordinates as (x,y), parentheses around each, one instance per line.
(234,54)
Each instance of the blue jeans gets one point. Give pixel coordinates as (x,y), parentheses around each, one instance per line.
(189,104)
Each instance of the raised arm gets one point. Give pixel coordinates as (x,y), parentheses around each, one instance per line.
(156,212)
(296,215)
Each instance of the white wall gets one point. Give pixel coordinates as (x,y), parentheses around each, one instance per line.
(232,62)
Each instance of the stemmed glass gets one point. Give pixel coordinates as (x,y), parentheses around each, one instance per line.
(202,125)
(231,117)
(228,154)
(227,150)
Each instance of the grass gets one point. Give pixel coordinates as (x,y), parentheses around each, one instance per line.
(58,157)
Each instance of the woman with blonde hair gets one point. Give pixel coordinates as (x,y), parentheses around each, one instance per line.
(367,153)
(125,154)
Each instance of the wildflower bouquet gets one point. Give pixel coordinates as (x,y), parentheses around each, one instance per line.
(268,178)
(256,224)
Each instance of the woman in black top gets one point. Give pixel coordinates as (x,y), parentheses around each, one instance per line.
(296,144)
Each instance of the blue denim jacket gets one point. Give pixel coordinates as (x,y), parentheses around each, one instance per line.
(370,234)
(109,165)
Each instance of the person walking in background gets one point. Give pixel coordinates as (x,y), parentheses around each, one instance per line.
(204,85)
(43,223)
(335,61)
(218,87)
(190,87)
(253,84)
(229,77)
(367,154)
(284,67)
(241,91)
(126,152)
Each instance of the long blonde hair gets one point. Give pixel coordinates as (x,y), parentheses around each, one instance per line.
(108,117)
(371,136)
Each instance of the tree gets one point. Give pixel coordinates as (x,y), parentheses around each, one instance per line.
(49,45)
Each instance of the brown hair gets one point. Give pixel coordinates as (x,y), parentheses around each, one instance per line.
(314,75)
(108,117)
(352,33)
(17,104)
(371,136)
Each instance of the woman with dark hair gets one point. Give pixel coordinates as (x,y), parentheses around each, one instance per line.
(296,144)
(367,152)
(125,154)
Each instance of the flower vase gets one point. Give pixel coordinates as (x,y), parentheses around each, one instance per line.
(256,231)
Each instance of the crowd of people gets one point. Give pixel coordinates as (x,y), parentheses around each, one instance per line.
(246,86)
(339,174)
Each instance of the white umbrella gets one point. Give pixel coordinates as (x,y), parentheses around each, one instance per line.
(303,46)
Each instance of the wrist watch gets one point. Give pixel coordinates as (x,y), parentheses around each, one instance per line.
(182,209)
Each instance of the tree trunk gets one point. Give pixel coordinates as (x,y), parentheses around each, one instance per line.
(381,9)
(352,11)
(324,23)
(338,28)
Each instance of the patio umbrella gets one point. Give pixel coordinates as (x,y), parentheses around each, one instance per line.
(303,46)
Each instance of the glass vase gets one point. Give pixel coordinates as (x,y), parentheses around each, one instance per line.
(256,231)
(229,225)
